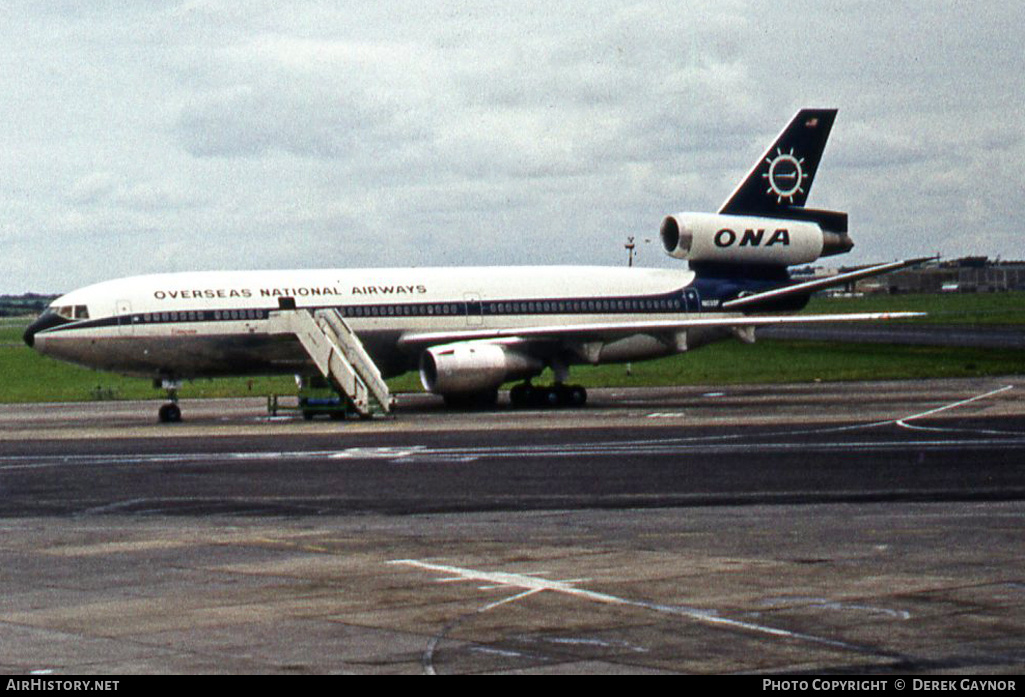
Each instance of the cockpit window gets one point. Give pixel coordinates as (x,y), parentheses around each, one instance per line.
(72,311)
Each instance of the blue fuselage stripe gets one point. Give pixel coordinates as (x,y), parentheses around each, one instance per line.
(677,301)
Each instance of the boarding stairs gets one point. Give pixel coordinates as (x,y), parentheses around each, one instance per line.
(339,356)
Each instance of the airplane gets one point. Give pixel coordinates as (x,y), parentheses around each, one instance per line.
(470,330)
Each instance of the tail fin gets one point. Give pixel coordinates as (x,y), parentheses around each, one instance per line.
(778,185)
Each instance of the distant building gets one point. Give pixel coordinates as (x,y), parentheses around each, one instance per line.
(965,275)
(24,305)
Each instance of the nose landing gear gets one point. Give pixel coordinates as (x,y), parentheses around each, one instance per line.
(169,413)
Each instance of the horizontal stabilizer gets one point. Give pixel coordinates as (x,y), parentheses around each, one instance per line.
(809,287)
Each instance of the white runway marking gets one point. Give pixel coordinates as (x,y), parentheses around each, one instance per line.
(954,405)
(904,422)
(529,585)
(599,643)
(426,455)
(826,604)
(723,443)
(378,453)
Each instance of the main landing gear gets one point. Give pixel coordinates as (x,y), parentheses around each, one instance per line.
(169,413)
(558,395)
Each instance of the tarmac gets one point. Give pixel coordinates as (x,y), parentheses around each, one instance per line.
(870,528)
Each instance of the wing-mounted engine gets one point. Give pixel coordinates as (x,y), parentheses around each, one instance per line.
(473,366)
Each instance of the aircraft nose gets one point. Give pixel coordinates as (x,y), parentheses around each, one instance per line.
(45,321)
(30,334)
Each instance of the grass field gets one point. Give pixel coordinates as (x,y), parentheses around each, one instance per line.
(952,308)
(11,330)
(26,376)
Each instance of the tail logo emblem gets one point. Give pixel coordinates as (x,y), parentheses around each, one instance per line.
(785,176)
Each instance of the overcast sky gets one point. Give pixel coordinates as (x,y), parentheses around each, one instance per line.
(152,136)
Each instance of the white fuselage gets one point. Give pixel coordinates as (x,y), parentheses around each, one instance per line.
(188,325)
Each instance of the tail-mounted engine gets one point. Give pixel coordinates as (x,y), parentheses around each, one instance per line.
(735,239)
(764,222)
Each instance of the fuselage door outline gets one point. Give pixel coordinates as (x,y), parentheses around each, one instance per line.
(474,310)
(692,301)
(123,310)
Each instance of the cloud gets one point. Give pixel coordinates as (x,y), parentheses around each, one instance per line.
(213,134)
(306,98)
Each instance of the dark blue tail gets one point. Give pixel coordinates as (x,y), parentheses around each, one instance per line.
(779,183)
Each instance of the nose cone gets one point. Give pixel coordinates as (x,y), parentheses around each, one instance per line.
(46,320)
(30,334)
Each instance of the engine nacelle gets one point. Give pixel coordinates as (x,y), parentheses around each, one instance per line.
(735,239)
(471,366)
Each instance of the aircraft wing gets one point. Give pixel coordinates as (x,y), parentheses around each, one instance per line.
(610,331)
(740,324)
(808,287)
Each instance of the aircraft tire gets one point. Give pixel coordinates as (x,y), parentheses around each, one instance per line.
(169,413)
(576,396)
(552,396)
(567,396)
(521,395)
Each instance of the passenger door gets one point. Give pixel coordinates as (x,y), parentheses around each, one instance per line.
(123,311)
